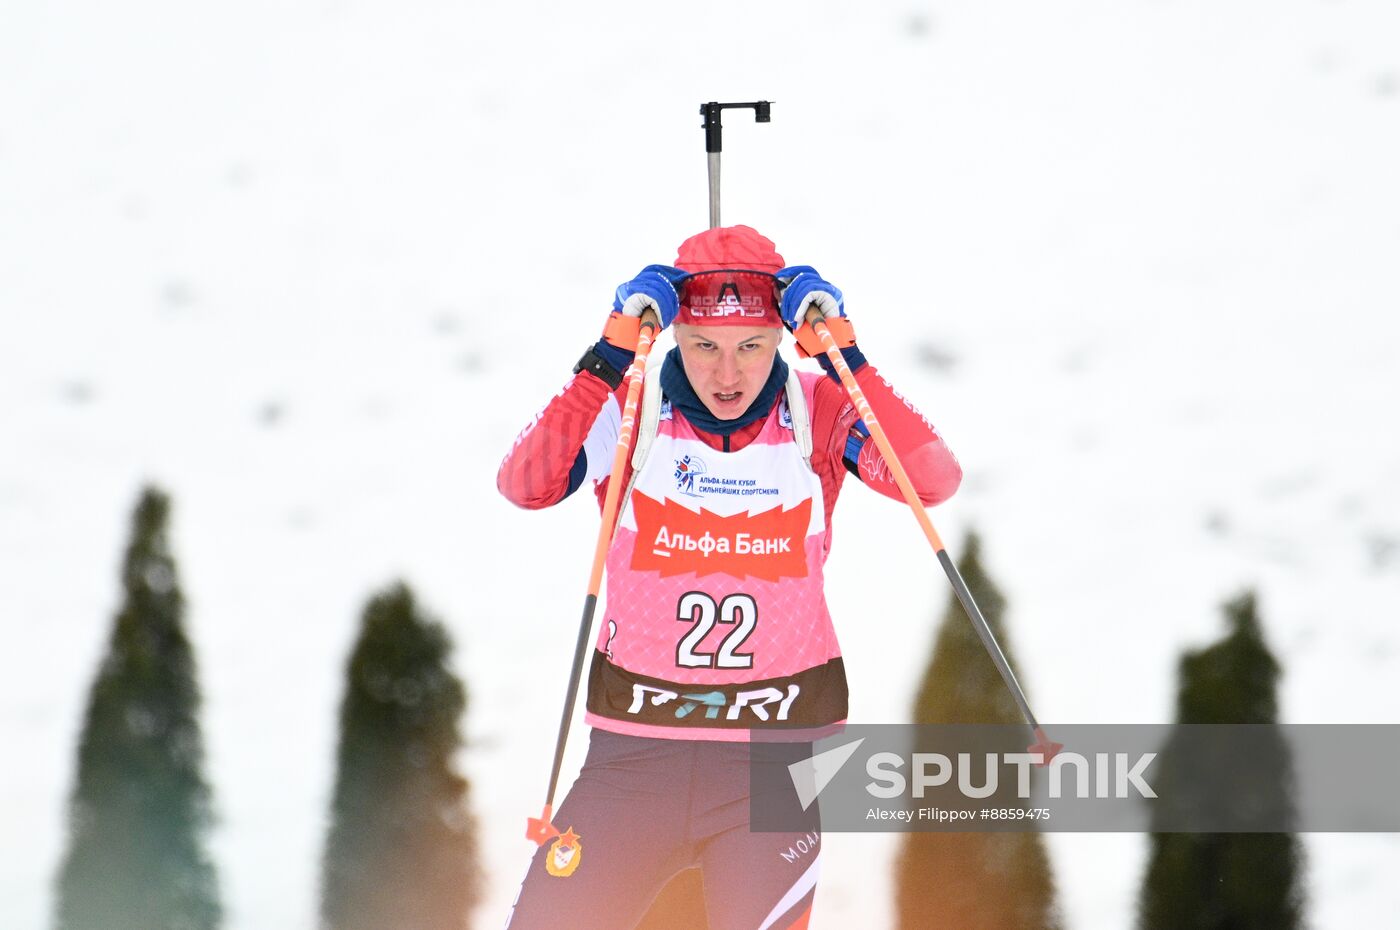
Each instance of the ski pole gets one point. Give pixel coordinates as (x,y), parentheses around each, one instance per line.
(714,141)
(901,478)
(541,829)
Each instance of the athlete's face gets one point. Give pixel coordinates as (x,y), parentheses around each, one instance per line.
(727,365)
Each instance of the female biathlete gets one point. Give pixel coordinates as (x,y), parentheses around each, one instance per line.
(716,623)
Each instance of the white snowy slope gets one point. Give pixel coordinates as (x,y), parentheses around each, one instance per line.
(311,266)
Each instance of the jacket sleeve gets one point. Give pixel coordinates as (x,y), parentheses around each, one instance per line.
(926,458)
(568,442)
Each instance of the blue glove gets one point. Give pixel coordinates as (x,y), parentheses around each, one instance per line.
(804,287)
(653,288)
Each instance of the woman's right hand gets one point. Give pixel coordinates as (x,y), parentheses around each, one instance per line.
(655,288)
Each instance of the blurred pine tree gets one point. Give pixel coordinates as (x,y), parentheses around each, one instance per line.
(1228,881)
(141,809)
(401,851)
(972,881)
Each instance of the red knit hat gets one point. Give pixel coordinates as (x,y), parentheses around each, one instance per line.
(732,279)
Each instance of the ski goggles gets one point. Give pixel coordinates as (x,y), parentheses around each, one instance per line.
(729,297)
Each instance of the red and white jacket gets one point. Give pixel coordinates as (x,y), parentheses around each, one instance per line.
(715,620)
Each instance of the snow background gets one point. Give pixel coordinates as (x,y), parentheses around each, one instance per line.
(310,266)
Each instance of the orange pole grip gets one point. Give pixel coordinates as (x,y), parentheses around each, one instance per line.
(636,374)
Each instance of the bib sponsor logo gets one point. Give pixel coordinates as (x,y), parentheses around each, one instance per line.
(693,480)
(757,701)
(672,539)
(687,470)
